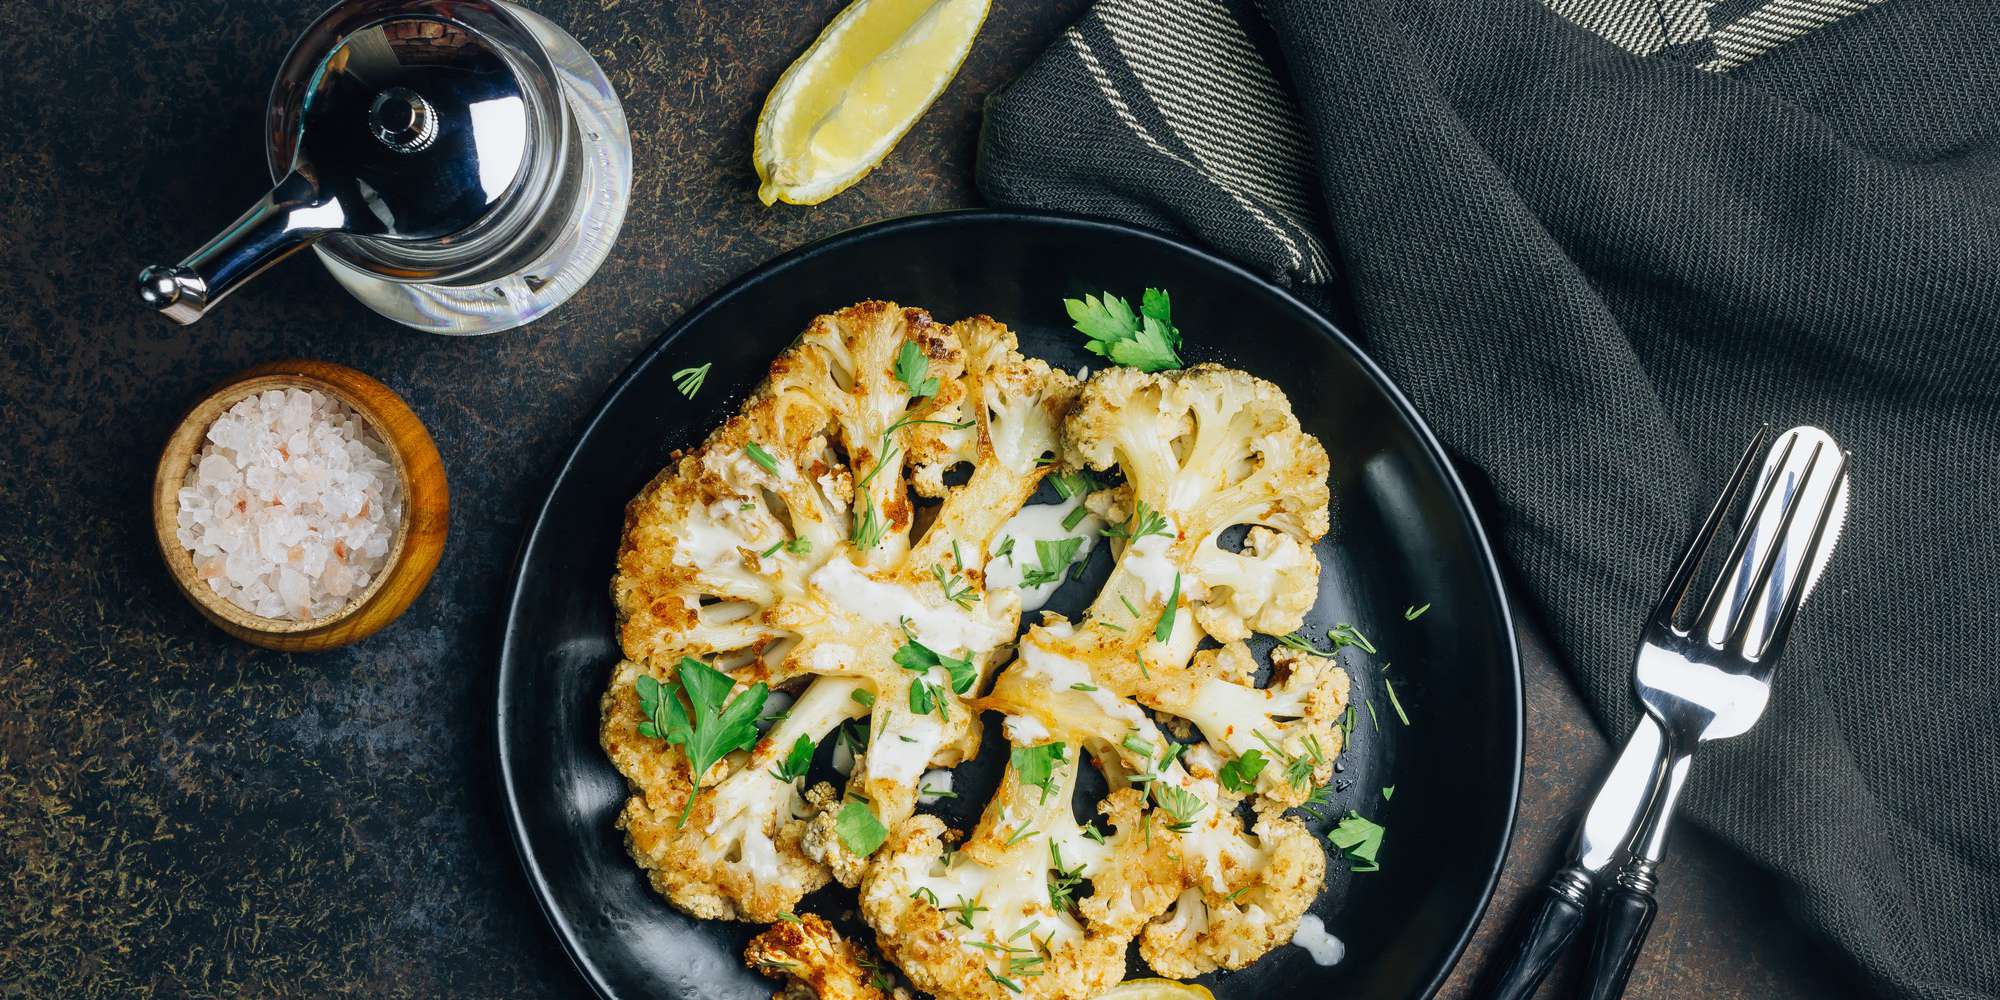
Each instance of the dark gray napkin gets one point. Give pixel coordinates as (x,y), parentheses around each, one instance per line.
(1598,242)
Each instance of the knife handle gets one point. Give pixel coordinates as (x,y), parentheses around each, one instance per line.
(1621,932)
(1540,933)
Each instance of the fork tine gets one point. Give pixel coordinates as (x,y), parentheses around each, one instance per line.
(1691,557)
(1770,557)
(1799,583)
(1715,604)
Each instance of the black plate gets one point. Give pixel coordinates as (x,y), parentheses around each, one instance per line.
(1403,535)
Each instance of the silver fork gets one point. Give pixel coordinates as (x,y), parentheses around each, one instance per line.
(1711,679)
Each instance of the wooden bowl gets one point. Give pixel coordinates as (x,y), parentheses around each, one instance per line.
(413,551)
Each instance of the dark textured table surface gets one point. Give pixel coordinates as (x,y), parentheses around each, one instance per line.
(182,814)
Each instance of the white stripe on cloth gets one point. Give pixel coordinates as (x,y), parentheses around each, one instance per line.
(1310,266)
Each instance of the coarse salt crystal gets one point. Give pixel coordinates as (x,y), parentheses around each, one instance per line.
(289,509)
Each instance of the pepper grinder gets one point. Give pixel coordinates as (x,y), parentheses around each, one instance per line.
(460,166)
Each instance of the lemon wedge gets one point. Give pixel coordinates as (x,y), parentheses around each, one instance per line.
(846,102)
(1156,989)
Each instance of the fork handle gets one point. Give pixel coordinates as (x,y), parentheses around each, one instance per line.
(1625,915)
(1540,933)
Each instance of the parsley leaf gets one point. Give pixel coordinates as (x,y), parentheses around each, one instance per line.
(710,725)
(1166,625)
(1036,766)
(858,828)
(1360,838)
(1144,521)
(1146,340)
(1055,556)
(1240,775)
(689,380)
(794,766)
(915,656)
(912,367)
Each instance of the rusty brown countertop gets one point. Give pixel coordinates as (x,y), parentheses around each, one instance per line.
(185,815)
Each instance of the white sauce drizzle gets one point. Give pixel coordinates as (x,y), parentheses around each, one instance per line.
(932,786)
(947,629)
(1038,522)
(892,758)
(1312,935)
(1147,560)
(1025,730)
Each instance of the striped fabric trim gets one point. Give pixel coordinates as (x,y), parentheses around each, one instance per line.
(1221,107)
(1723,36)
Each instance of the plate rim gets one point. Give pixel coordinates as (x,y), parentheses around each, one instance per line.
(538,881)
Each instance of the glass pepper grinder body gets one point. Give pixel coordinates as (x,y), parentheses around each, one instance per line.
(460,166)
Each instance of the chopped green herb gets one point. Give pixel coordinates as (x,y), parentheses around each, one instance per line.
(1070,485)
(864,697)
(1240,775)
(689,380)
(1128,605)
(1074,517)
(1146,340)
(911,368)
(1388,792)
(1081,686)
(925,894)
(1344,634)
(767,553)
(709,726)
(859,830)
(1006,549)
(794,766)
(799,546)
(1412,614)
(1021,832)
(1179,803)
(1395,702)
(957,557)
(1304,645)
(1166,626)
(925,699)
(1091,831)
(1144,521)
(1299,769)
(1238,894)
(1055,556)
(761,457)
(790,918)
(1003,980)
(1137,745)
(966,910)
(1100,623)
(867,527)
(1360,839)
(1036,766)
(1062,888)
(1373,722)
(956,590)
(915,656)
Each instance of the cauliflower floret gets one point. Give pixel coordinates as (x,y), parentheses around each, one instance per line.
(983,921)
(1202,449)
(1268,587)
(740,853)
(1293,723)
(1247,898)
(814,962)
(786,548)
